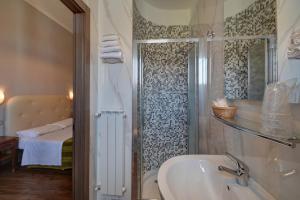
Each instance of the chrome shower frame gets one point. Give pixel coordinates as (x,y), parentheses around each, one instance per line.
(201,89)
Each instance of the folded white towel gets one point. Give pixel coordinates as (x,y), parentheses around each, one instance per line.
(220,103)
(112,60)
(110,37)
(111,49)
(117,55)
(110,43)
(46,149)
(42,130)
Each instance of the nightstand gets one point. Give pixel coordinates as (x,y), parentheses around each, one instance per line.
(8,150)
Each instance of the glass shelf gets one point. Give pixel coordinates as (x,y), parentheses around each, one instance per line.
(255,128)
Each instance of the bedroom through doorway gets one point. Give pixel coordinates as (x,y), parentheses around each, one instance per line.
(38,104)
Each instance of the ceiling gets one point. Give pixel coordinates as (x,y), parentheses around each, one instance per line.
(171,4)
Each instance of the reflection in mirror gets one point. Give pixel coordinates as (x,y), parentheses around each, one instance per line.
(249,48)
(256,70)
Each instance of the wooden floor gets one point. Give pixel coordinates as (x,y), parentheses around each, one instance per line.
(35,184)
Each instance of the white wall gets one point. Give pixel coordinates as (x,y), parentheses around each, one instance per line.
(115,81)
(56,11)
(111,85)
(208,15)
(161,16)
(288,20)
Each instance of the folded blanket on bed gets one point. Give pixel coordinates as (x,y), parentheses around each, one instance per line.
(66,159)
(38,131)
(45,149)
(42,130)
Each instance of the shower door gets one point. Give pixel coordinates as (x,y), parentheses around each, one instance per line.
(165,107)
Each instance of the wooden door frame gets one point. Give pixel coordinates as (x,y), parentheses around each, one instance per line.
(81,135)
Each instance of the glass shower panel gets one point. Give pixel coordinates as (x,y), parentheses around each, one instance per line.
(257,70)
(193,104)
(203,75)
(167,104)
(164,102)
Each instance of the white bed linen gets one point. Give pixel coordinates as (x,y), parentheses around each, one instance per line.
(64,123)
(38,131)
(45,149)
(48,128)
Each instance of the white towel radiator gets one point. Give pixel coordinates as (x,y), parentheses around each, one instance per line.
(111,153)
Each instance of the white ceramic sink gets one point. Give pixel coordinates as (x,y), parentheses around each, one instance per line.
(196,177)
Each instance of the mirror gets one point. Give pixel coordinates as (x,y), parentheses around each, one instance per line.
(249,48)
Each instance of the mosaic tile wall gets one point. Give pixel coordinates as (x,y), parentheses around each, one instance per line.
(165,102)
(258,19)
(145,29)
(165,92)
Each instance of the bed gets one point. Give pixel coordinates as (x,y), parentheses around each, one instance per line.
(26,112)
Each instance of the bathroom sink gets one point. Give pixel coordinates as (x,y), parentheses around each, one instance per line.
(196,177)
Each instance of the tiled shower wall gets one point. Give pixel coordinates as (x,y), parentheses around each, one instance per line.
(165,102)
(164,95)
(144,29)
(258,19)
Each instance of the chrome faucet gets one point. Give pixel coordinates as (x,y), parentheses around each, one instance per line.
(241,173)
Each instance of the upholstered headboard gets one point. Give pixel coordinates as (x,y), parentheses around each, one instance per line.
(24,112)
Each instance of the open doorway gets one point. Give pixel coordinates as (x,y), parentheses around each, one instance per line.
(50,62)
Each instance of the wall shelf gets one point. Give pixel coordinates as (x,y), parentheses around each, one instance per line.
(255,128)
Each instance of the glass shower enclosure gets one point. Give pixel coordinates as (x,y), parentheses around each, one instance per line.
(170,85)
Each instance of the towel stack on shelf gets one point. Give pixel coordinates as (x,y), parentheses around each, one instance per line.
(111,51)
(294,48)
